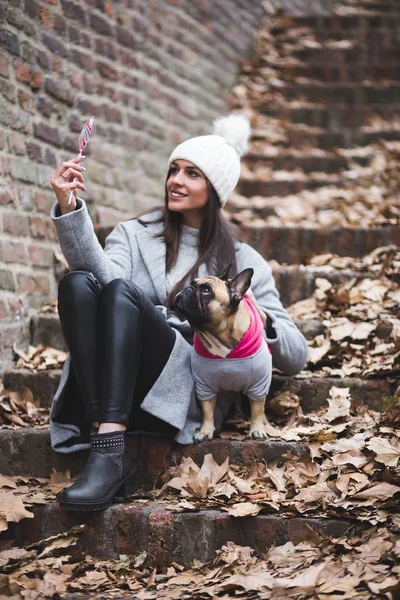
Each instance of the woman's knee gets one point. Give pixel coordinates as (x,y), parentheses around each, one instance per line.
(122,288)
(76,283)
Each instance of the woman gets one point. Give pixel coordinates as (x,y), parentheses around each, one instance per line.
(129,364)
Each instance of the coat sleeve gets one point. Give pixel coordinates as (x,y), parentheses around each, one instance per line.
(288,347)
(83,251)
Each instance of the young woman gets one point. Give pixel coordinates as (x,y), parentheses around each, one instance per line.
(129,362)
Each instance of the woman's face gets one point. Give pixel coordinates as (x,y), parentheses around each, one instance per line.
(187,191)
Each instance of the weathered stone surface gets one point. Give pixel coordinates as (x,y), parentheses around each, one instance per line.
(168,536)
(28,452)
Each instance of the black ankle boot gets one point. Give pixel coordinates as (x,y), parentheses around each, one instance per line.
(108,470)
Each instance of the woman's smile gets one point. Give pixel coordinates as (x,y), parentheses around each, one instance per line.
(187,190)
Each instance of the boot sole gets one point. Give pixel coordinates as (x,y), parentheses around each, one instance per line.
(127,486)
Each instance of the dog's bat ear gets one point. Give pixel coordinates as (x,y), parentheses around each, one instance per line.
(239,285)
(225,272)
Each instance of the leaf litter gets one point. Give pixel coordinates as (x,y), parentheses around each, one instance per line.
(350,470)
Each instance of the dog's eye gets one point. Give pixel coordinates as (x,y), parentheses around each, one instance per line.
(205,289)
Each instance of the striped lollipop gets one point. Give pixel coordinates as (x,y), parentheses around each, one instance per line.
(83,140)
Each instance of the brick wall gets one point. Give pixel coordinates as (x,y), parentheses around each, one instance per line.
(152,72)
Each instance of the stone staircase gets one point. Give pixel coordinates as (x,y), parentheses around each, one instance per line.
(315,86)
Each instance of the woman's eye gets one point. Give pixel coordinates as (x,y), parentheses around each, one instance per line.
(193,173)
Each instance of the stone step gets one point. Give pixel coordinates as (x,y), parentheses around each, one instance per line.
(313,391)
(370,53)
(309,163)
(334,115)
(342,71)
(354,93)
(169,536)
(302,137)
(287,186)
(27,452)
(296,245)
(384,34)
(381,15)
(293,282)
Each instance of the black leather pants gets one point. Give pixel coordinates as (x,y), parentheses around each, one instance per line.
(119,343)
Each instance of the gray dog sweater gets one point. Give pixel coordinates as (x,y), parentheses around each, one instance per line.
(250,375)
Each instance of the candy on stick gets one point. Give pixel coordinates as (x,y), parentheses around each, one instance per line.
(83,140)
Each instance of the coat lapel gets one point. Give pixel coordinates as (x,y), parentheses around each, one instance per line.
(153,253)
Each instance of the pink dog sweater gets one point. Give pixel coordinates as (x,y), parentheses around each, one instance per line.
(247,346)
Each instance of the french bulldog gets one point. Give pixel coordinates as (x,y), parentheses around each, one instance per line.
(230,350)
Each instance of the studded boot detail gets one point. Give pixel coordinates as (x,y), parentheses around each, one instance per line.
(108,472)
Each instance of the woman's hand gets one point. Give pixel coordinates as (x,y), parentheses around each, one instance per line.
(249,294)
(68,176)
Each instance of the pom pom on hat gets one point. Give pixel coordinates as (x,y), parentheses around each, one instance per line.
(235,130)
(218,155)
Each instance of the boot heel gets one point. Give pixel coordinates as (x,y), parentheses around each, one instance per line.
(128,486)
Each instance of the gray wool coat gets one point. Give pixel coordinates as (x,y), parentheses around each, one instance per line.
(132,252)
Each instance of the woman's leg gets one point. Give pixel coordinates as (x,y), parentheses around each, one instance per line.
(78,295)
(133,333)
(136,346)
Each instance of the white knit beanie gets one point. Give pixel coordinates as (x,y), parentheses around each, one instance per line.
(218,155)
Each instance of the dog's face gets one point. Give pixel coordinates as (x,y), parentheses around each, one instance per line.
(209,300)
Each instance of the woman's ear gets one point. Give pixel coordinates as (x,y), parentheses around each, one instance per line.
(239,285)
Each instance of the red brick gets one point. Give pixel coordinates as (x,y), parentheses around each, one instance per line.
(73,10)
(107,71)
(83,60)
(4,67)
(32,284)
(59,90)
(13,252)
(9,41)
(45,16)
(7,280)
(16,224)
(59,24)
(54,44)
(34,151)
(44,201)
(100,24)
(125,37)
(16,143)
(47,133)
(22,72)
(88,108)
(36,80)
(42,227)
(40,256)
(7,196)
(26,100)
(31,8)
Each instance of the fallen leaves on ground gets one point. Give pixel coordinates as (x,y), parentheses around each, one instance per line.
(20,409)
(361,318)
(354,566)
(40,358)
(312,187)
(19,494)
(350,468)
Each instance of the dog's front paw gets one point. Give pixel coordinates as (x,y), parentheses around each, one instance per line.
(204,435)
(257,433)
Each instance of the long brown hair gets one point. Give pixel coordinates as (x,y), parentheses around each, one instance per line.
(217,239)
